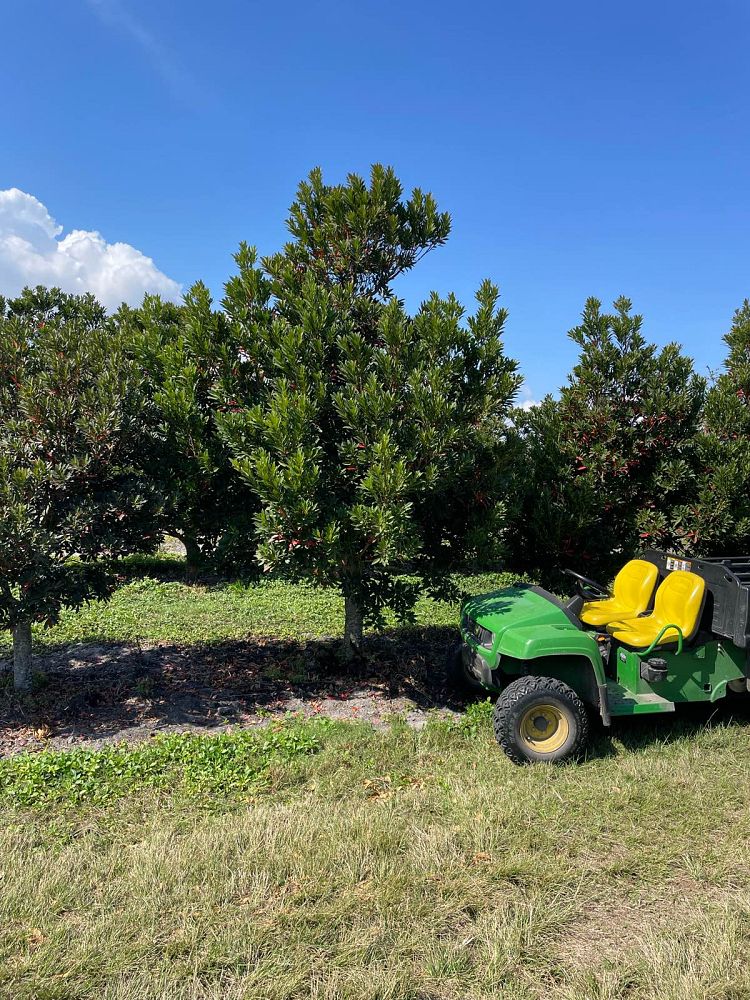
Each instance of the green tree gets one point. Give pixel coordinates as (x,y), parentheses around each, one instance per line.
(374,439)
(71,431)
(610,463)
(716,520)
(188,352)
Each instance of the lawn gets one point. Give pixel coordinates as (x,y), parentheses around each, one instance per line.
(319,859)
(346,864)
(157,605)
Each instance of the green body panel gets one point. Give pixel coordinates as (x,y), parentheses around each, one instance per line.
(533,633)
(698,673)
(512,607)
(622,701)
(528,625)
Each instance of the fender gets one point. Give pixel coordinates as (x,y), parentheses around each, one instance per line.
(535,643)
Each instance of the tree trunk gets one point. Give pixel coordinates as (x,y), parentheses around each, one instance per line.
(352,628)
(193,557)
(22,656)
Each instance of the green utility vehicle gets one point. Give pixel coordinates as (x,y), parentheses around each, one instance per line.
(671,630)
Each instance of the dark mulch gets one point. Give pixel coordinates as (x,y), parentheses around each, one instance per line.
(95,694)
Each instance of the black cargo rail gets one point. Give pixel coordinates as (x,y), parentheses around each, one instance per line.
(728,584)
(738,565)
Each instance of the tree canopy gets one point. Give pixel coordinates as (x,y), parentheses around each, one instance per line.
(716,520)
(315,426)
(610,463)
(186,352)
(373,438)
(72,496)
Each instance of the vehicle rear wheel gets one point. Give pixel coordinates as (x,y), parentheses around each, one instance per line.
(458,677)
(538,719)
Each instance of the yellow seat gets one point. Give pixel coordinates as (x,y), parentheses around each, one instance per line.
(631,594)
(679,601)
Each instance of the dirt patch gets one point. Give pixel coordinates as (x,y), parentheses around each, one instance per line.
(92,695)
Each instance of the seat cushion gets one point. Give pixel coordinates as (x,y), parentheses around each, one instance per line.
(631,595)
(641,631)
(679,601)
(602,612)
(634,586)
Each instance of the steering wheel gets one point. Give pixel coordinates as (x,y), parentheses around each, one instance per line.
(589,590)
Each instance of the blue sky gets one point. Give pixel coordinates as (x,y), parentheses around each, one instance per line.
(581,148)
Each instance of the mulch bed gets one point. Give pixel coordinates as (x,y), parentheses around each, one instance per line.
(92,695)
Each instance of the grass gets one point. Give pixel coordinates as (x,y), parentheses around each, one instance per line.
(154,609)
(398,866)
(318,860)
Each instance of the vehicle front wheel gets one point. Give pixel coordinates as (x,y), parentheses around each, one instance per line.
(540,718)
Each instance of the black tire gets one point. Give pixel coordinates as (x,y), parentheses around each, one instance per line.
(458,677)
(558,706)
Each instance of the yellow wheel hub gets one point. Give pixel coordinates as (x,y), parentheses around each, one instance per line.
(544,728)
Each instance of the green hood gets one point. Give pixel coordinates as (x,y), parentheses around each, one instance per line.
(521,606)
(528,623)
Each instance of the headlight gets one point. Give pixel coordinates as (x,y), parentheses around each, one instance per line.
(483,635)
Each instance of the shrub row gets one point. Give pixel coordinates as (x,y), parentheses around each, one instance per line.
(312,427)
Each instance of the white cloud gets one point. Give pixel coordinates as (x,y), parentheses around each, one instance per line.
(527,400)
(32,253)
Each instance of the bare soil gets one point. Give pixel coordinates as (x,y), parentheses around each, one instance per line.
(94,694)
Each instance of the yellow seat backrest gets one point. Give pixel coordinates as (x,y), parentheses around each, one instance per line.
(679,601)
(634,585)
